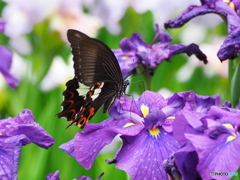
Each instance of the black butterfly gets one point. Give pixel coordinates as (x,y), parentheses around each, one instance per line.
(96,67)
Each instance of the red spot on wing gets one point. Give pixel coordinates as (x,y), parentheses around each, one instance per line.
(71,102)
(73,111)
(91,112)
(71,94)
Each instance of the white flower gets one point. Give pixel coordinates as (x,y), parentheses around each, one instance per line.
(21,16)
(58,73)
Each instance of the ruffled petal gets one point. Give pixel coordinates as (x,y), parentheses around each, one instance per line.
(230,47)
(216,155)
(190,13)
(87,144)
(24,124)
(141,156)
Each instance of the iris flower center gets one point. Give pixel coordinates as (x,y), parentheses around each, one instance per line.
(154,132)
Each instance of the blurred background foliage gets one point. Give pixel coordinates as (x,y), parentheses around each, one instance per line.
(47,44)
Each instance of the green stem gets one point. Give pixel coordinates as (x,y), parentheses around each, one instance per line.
(234,75)
(147,79)
(231,70)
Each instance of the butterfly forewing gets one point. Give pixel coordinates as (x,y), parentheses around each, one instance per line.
(96,67)
(93,61)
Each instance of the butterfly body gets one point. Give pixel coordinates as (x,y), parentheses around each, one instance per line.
(97,68)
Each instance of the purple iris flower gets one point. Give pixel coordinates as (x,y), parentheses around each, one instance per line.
(87,144)
(145,127)
(16,132)
(6,62)
(5,65)
(211,142)
(228,10)
(2,25)
(188,121)
(126,57)
(55,176)
(135,51)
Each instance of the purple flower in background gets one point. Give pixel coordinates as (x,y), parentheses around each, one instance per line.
(126,56)
(5,65)
(2,25)
(145,127)
(6,61)
(228,10)
(16,132)
(135,51)
(21,17)
(230,46)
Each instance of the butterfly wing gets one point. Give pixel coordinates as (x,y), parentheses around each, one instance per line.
(79,109)
(96,67)
(93,61)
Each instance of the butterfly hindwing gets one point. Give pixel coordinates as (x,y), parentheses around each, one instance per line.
(72,101)
(79,109)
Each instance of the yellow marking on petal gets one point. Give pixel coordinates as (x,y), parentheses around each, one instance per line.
(144,110)
(230,138)
(154,132)
(226,1)
(125,57)
(228,126)
(128,124)
(231,4)
(171,117)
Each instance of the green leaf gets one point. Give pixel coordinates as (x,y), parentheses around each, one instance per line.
(235,84)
